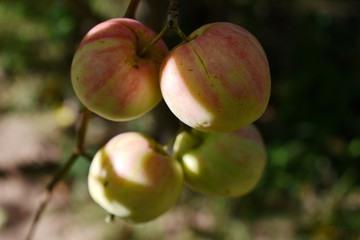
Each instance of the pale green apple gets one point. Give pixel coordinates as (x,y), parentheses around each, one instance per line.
(221,164)
(134,178)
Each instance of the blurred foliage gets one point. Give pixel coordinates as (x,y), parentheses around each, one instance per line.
(310,189)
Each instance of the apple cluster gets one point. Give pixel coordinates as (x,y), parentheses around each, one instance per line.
(217,82)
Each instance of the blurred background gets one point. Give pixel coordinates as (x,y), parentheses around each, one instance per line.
(310,189)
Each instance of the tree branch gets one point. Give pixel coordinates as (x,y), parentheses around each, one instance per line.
(78,151)
(171,24)
(173,17)
(130,12)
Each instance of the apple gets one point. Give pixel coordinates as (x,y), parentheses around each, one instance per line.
(221,164)
(134,178)
(108,75)
(218,81)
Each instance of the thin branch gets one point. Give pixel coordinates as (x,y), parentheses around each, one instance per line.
(173,18)
(173,13)
(88,156)
(130,12)
(48,193)
(83,130)
(82,10)
(171,24)
(78,151)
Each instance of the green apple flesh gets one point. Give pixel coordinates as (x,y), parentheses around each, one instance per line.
(219,81)
(133,178)
(221,164)
(108,75)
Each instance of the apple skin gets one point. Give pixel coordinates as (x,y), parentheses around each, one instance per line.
(219,81)
(108,75)
(134,178)
(221,164)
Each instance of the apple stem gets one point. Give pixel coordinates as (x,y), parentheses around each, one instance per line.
(181,34)
(154,41)
(182,127)
(110,218)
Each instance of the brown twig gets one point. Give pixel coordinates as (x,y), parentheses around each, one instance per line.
(78,151)
(173,13)
(171,24)
(133,5)
(82,131)
(83,10)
